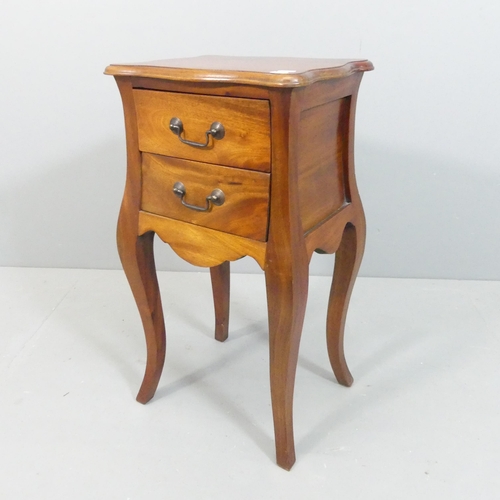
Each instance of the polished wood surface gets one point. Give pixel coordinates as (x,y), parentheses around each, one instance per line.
(286,273)
(347,261)
(136,254)
(191,242)
(246,142)
(220,288)
(214,88)
(320,163)
(266,71)
(244,211)
(309,201)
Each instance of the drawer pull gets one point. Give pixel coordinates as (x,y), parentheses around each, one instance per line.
(216,197)
(216,131)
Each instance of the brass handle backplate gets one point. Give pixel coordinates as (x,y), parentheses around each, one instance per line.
(216,197)
(216,130)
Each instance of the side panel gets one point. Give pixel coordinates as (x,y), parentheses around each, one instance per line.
(322,160)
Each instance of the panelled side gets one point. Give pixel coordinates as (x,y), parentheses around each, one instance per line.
(321,162)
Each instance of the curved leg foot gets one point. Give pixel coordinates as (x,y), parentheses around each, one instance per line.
(286,298)
(136,254)
(347,261)
(220,286)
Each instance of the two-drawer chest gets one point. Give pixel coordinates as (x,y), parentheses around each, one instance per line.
(230,157)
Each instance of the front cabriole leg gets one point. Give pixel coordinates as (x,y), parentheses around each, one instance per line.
(286,270)
(136,253)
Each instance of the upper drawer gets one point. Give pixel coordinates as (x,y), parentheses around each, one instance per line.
(246,142)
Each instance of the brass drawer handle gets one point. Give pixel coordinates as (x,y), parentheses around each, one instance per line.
(216,197)
(217,131)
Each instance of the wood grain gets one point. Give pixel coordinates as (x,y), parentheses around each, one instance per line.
(327,235)
(205,88)
(136,255)
(349,254)
(324,92)
(286,272)
(304,112)
(342,232)
(347,261)
(321,164)
(191,242)
(244,212)
(265,71)
(220,286)
(246,143)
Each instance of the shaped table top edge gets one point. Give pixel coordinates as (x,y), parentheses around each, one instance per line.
(263,71)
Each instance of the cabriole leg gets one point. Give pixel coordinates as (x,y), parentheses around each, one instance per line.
(347,261)
(136,254)
(220,276)
(286,297)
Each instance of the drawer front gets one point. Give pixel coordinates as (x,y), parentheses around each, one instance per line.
(244,211)
(246,142)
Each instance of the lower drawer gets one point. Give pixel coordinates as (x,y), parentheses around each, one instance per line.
(246,195)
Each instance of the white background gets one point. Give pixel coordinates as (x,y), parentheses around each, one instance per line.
(427,143)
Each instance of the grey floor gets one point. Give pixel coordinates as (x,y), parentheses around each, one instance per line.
(420,422)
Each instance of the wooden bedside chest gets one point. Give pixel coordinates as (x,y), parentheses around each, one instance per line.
(235,156)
